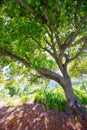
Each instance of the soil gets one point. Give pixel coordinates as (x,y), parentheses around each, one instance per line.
(33,116)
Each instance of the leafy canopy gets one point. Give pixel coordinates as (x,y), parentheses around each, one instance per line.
(43,33)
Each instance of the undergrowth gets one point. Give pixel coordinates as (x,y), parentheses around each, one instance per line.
(54,98)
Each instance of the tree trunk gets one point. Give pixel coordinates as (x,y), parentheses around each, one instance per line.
(73,106)
(68,90)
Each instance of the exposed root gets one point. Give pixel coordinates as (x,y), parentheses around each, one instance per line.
(74,107)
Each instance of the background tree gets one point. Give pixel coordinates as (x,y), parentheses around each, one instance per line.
(46,36)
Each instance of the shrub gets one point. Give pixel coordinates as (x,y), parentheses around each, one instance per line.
(81,95)
(54,98)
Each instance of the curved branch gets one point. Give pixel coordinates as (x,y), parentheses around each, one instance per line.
(46,73)
(16,58)
(78,54)
(51,75)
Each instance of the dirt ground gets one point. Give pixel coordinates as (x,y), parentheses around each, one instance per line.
(33,116)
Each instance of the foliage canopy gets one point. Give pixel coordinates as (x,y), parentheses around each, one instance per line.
(44,35)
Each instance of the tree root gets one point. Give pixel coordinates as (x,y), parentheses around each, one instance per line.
(74,107)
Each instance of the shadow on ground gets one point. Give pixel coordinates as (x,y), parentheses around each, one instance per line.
(33,116)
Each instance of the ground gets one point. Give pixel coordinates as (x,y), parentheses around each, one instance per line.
(33,116)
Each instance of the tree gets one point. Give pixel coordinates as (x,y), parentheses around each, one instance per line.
(45,36)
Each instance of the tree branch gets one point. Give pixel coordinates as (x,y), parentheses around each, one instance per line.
(48,43)
(68,59)
(48,31)
(78,54)
(52,52)
(26,6)
(51,75)
(47,50)
(80,23)
(48,21)
(46,17)
(79,2)
(31,10)
(53,44)
(58,40)
(44,48)
(16,58)
(71,38)
(46,73)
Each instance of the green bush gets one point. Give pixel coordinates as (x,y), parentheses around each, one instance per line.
(54,98)
(81,95)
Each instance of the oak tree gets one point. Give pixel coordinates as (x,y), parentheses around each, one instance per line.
(46,36)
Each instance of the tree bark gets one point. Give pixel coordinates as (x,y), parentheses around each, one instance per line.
(73,106)
(68,90)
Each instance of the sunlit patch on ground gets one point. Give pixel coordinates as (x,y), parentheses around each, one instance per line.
(33,116)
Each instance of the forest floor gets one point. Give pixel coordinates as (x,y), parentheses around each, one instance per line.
(33,116)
